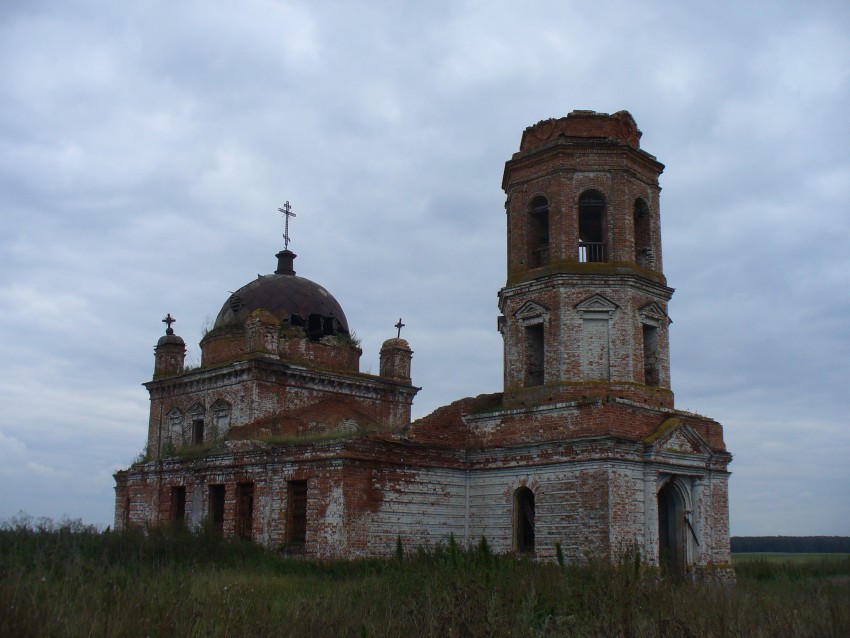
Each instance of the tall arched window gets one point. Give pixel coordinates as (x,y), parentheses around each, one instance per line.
(538,236)
(524,520)
(591,227)
(643,236)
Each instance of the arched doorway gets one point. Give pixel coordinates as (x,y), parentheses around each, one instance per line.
(672,542)
(524,520)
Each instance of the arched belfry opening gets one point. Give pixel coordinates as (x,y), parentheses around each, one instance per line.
(644,256)
(591,227)
(672,532)
(538,215)
(524,520)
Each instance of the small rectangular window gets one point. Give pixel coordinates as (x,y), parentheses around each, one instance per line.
(198,431)
(534,355)
(650,355)
(595,348)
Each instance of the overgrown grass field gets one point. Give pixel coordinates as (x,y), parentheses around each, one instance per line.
(72,580)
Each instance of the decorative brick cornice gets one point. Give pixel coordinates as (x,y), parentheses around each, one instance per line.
(278,372)
(574,278)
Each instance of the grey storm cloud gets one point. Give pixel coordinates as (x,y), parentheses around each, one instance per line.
(145,148)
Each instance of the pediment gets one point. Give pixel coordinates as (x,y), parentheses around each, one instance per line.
(196,409)
(677,437)
(530,310)
(596,303)
(653,313)
(220,405)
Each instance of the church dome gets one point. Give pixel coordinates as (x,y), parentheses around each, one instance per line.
(292,299)
(170,337)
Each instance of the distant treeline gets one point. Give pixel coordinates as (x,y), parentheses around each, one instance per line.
(792,544)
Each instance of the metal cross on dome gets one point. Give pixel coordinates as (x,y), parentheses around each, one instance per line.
(399,325)
(287,213)
(168,321)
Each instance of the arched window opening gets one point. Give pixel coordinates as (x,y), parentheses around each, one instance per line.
(539,232)
(644,256)
(317,326)
(591,227)
(671,529)
(524,520)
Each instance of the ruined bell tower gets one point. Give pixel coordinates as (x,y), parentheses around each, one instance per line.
(584,308)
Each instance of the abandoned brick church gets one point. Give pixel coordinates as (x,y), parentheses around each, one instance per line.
(279,437)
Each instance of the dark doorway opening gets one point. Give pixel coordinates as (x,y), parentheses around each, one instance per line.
(217,507)
(671,529)
(244,510)
(178,504)
(296,513)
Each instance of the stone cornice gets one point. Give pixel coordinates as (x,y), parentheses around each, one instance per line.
(589,280)
(403,453)
(278,372)
(578,146)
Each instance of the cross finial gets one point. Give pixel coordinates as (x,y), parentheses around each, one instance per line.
(399,325)
(287,213)
(168,321)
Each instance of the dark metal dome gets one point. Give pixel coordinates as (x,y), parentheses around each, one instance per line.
(290,298)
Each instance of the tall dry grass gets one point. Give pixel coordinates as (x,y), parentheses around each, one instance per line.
(68,579)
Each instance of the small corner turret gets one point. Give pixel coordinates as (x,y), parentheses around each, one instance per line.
(169,353)
(396,356)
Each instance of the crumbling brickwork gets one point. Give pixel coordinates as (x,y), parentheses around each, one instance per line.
(278,437)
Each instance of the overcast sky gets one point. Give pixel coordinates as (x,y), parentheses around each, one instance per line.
(146,146)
